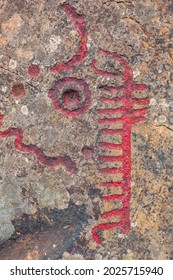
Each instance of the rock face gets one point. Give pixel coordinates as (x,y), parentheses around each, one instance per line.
(86,132)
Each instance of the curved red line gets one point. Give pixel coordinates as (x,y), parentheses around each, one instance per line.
(78,20)
(102,227)
(17,133)
(112,213)
(127,73)
(102,72)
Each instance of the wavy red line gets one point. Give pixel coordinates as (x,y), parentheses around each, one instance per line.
(17,133)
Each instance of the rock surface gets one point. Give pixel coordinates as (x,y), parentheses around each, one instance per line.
(53,94)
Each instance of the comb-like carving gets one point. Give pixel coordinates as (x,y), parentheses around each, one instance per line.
(129,116)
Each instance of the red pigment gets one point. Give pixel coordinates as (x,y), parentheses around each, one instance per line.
(17,133)
(129,116)
(33,71)
(87,152)
(111,131)
(71,98)
(102,72)
(112,89)
(110,158)
(70,108)
(78,21)
(110,146)
(110,170)
(18,90)
(112,184)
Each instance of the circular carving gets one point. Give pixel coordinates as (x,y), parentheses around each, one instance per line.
(18,90)
(33,71)
(87,152)
(70,96)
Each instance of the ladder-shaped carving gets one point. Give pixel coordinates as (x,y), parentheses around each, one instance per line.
(128,117)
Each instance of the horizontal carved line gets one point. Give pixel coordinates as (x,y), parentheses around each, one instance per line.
(119,197)
(109,146)
(111,158)
(111,170)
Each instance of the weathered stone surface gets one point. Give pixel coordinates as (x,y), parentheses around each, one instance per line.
(51,187)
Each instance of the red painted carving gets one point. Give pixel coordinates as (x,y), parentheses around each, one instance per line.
(102,72)
(33,71)
(78,20)
(87,152)
(18,90)
(70,96)
(129,116)
(17,133)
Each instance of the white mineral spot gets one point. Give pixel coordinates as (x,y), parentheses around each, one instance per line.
(121,236)
(54,42)
(88,44)
(133,225)
(153,102)
(136,73)
(12,64)
(13,110)
(24,110)
(73,32)
(132,184)
(4,88)
(164,104)
(162,119)
(54,246)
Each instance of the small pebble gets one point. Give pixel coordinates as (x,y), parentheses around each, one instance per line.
(87,152)
(12,64)
(136,73)
(24,110)
(4,88)
(162,119)
(33,71)
(153,102)
(18,90)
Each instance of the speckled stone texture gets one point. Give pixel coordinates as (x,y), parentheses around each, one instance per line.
(51,192)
